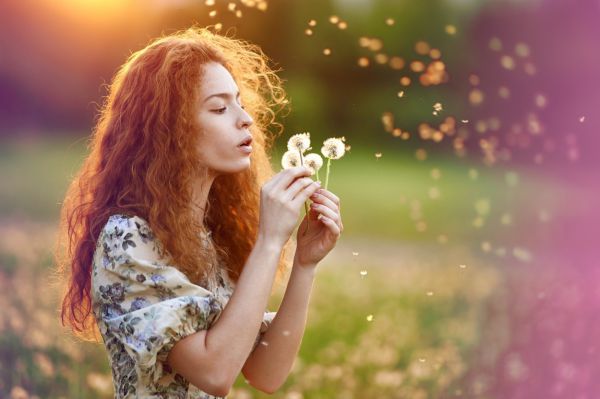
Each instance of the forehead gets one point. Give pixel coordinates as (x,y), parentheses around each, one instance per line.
(216,79)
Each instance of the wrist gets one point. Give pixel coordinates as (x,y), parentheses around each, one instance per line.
(304,266)
(269,244)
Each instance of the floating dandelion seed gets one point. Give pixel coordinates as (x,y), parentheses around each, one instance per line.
(422,359)
(401,94)
(333,148)
(370,317)
(421,154)
(312,23)
(308,32)
(462,266)
(390,21)
(355,253)
(378,155)
(405,81)
(429,293)
(486,246)
(476,97)
(422,47)
(212,14)
(465,121)
(582,119)
(327,51)
(507,62)
(522,50)
(450,29)
(209,3)
(334,19)
(495,44)
(314,162)
(238,13)
(437,107)
(363,62)
(522,254)
(363,273)
(342,25)
(231,6)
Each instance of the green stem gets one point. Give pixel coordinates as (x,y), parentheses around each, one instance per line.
(327,174)
(305,205)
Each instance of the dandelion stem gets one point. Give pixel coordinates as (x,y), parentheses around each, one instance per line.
(327,173)
(305,205)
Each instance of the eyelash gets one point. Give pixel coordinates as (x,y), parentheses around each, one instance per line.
(221,110)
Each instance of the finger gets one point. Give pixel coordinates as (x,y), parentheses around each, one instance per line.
(321,199)
(287,176)
(297,186)
(331,225)
(305,193)
(325,211)
(334,198)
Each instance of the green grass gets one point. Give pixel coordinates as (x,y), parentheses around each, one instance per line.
(427,312)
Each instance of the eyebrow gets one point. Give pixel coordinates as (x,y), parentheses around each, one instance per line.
(222,95)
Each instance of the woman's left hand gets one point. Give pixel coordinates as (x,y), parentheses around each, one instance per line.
(324,228)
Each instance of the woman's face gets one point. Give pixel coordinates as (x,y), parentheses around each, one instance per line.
(223,121)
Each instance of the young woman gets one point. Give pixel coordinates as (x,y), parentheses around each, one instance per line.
(175,229)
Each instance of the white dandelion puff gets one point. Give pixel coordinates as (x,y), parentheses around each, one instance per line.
(333,148)
(299,142)
(290,159)
(314,162)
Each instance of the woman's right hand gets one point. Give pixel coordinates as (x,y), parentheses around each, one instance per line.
(281,200)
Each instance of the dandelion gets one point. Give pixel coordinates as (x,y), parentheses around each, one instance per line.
(333,148)
(314,162)
(296,145)
(290,159)
(299,142)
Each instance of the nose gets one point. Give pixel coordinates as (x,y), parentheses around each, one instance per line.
(245,120)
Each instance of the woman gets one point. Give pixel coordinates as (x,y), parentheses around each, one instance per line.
(175,228)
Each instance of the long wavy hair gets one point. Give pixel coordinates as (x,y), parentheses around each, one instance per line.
(143,161)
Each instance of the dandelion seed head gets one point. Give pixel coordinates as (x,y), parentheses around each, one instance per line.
(299,142)
(290,159)
(333,148)
(363,273)
(314,162)
(370,317)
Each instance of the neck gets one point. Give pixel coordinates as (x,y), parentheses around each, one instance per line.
(200,196)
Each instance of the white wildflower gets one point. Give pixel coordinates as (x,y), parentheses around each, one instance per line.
(299,142)
(333,148)
(290,159)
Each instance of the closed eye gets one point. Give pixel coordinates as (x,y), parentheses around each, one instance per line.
(220,110)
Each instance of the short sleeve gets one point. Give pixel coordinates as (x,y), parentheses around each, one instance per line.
(144,304)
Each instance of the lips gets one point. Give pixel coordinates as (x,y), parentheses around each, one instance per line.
(246,142)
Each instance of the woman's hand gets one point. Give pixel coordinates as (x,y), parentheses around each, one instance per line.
(281,200)
(325,226)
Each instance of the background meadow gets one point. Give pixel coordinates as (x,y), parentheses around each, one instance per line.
(467,264)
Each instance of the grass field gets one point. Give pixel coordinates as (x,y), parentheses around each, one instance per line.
(397,310)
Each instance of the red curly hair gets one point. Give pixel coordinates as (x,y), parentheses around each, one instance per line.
(143,161)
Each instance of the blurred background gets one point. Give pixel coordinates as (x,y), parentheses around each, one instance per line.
(468,264)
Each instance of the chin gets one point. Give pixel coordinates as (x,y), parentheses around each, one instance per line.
(241,166)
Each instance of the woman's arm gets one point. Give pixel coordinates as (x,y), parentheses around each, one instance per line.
(212,359)
(269,364)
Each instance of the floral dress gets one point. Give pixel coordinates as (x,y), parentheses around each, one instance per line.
(143,306)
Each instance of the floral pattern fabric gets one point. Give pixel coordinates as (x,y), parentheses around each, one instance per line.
(143,306)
